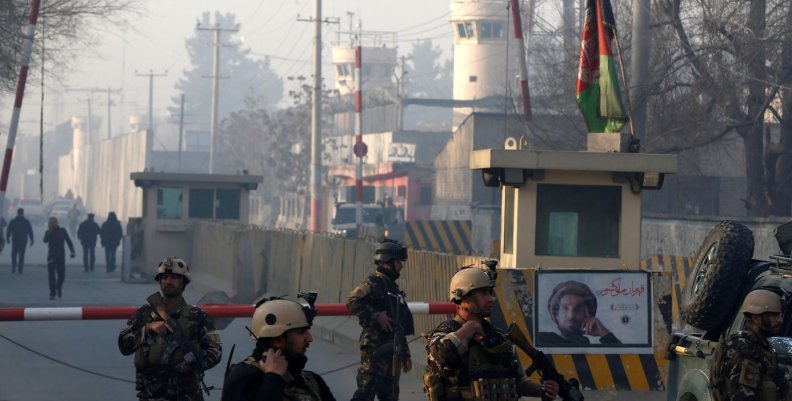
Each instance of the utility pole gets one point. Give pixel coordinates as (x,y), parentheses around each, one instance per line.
(181,131)
(215,86)
(316,119)
(90,92)
(402,91)
(150,128)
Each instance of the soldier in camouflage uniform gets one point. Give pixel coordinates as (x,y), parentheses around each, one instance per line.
(281,329)
(745,367)
(374,301)
(162,374)
(468,358)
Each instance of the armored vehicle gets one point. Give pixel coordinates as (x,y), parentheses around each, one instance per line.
(723,274)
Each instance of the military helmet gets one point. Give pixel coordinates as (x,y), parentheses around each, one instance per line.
(389,250)
(571,287)
(761,301)
(466,280)
(274,316)
(173,265)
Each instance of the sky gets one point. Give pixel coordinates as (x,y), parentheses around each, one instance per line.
(155,42)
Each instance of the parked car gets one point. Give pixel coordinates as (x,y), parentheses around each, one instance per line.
(61,212)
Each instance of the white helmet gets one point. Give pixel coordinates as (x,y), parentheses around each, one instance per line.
(273,317)
(467,280)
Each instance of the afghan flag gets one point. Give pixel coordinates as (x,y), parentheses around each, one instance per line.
(597,91)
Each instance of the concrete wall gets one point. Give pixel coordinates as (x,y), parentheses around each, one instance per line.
(682,237)
(99,174)
(250,261)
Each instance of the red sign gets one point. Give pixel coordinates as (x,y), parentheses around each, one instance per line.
(360,149)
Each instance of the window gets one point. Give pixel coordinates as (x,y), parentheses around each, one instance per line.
(465,30)
(425,196)
(214,203)
(201,203)
(578,220)
(473,78)
(461,30)
(490,30)
(342,69)
(169,203)
(227,204)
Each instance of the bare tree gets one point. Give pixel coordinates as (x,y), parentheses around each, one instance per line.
(723,79)
(67,28)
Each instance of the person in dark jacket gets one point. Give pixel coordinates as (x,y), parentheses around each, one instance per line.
(55,237)
(17,233)
(110,235)
(87,233)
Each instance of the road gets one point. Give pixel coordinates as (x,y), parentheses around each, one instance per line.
(79,360)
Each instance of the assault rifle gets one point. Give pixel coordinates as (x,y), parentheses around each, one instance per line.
(399,342)
(568,390)
(192,355)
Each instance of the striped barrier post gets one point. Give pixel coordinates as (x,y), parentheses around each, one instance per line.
(214,310)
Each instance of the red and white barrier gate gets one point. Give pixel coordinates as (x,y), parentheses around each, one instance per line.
(214,310)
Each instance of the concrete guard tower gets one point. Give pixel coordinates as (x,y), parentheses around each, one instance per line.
(486,58)
(571,209)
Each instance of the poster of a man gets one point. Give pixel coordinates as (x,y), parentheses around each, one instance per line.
(592,309)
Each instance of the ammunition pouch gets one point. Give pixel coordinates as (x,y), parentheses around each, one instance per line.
(503,389)
(150,355)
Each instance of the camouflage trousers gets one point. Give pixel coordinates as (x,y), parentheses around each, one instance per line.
(374,377)
(164,385)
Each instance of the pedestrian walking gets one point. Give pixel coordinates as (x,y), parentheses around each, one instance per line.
(87,233)
(110,235)
(57,238)
(386,321)
(173,342)
(17,233)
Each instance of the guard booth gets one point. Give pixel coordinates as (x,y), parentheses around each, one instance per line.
(172,204)
(571,226)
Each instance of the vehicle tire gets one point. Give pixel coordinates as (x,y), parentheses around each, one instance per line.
(712,289)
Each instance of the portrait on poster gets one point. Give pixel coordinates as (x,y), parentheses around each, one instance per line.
(599,309)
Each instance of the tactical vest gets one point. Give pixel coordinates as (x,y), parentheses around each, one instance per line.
(161,352)
(293,392)
(767,389)
(486,377)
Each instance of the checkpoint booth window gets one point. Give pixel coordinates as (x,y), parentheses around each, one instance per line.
(169,203)
(578,220)
(214,203)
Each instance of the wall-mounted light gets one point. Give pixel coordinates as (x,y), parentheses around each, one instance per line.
(650,179)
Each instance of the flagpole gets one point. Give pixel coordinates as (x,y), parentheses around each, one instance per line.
(624,81)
